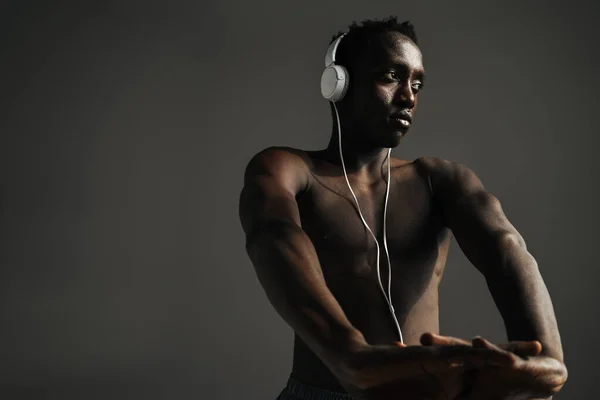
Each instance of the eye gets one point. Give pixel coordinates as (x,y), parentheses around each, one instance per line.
(391,76)
(417,86)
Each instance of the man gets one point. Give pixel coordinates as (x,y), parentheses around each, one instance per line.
(319,267)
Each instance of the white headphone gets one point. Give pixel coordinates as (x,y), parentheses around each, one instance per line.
(334,80)
(334,84)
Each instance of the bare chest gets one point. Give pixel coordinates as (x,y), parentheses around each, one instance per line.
(417,243)
(331,217)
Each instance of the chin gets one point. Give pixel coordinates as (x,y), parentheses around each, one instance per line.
(395,138)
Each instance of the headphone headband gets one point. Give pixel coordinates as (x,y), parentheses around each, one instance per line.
(330,56)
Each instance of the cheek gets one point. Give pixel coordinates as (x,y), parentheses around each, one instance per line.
(378,103)
(383,94)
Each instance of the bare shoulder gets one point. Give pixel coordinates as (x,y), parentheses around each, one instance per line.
(430,163)
(438,166)
(285,165)
(450,180)
(428,167)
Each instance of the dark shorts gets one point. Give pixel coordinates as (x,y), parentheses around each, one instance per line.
(296,390)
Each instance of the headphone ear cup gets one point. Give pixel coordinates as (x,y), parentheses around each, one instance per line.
(334,82)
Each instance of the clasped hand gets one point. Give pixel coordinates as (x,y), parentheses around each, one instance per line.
(527,375)
(456,369)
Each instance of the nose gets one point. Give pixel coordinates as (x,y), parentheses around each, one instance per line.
(404,96)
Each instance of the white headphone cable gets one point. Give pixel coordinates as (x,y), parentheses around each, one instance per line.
(388,297)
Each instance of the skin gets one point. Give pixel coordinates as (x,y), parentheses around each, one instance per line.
(317,263)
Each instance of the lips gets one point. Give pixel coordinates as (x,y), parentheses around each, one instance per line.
(402,116)
(401,120)
(400,123)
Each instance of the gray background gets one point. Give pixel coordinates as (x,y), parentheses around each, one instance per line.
(126,126)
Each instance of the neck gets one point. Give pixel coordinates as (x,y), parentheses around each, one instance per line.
(359,156)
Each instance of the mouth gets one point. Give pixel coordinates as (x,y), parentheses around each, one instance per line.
(401,121)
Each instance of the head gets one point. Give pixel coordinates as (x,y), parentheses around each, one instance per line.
(386,73)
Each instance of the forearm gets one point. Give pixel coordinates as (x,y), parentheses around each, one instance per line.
(522,298)
(288,268)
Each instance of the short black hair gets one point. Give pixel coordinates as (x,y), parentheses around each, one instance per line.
(359,37)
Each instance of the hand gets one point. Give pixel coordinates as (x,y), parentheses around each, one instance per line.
(414,372)
(531,377)
(523,349)
(528,376)
(440,379)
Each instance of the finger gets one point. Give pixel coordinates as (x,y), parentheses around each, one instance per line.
(400,344)
(481,343)
(432,339)
(522,348)
(413,359)
(409,355)
(477,356)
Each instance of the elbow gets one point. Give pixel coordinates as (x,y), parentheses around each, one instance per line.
(510,240)
(512,249)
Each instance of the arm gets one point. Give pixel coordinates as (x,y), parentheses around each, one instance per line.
(498,251)
(288,269)
(285,259)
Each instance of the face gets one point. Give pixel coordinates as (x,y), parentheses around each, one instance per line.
(385,87)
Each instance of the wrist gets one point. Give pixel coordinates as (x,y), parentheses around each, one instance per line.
(337,348)
(344,353)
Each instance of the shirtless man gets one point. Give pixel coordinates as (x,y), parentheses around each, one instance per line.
(317,262)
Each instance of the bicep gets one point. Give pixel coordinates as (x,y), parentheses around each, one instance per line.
(264,202)
(271,183)
(271,220)
(478,214)
(474,215)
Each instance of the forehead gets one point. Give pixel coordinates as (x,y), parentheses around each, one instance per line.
(395,48)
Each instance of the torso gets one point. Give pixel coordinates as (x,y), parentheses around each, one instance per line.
(418,245)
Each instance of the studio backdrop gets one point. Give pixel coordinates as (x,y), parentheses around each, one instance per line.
(125,128)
